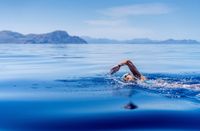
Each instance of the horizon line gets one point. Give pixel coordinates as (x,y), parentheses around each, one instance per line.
(82,36)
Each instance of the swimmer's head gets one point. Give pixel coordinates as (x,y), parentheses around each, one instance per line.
(127,77)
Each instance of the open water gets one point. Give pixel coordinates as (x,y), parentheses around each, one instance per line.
(59,87)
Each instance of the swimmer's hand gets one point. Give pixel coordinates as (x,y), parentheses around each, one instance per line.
(114,69)
(117,67)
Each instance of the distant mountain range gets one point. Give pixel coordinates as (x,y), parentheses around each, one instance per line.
(55,37)
(62,37)
(139,41)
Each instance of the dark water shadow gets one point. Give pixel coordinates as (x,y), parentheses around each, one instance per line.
(128,93)
(130,106)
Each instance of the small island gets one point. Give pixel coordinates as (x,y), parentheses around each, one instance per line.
(55,37)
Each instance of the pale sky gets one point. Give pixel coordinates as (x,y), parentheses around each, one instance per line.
(115,19)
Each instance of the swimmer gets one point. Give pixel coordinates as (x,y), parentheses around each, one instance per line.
(129,77)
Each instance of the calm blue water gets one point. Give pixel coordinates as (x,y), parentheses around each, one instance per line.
(68,86)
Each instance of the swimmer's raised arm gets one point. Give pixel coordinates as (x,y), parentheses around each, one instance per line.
(132,68)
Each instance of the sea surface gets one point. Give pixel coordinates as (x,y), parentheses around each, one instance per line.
(60,87)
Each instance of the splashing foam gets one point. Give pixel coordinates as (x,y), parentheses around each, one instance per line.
(178,86)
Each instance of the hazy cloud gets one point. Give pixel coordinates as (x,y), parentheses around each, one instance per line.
(136,9)
(116,22)
(105,22)
(118,32)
